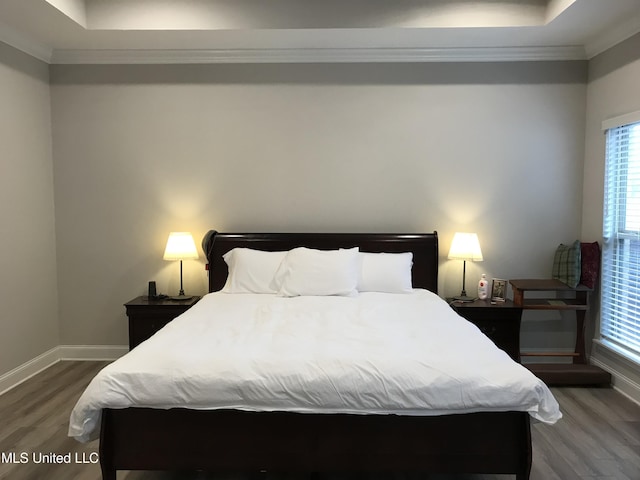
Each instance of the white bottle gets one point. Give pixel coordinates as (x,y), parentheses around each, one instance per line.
(483,287)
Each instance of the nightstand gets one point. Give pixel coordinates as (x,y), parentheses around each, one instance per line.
(500,322)
(147,316)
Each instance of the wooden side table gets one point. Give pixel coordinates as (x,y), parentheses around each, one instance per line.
(561,297)
(498,321)
(147,316)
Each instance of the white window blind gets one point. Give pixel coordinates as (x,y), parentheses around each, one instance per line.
(620,318)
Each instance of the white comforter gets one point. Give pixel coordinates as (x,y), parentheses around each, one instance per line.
(375,353)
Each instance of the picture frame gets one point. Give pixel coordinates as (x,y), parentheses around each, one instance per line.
(498,290)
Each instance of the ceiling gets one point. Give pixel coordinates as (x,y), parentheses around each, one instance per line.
(225,31)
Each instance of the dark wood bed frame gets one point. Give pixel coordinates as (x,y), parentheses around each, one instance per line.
(239,441)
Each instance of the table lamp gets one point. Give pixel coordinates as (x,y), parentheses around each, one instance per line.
(465,246)
(180,246)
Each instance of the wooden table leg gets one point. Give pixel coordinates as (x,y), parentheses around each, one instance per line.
(580,344)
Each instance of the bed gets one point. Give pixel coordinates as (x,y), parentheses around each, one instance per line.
(339,439)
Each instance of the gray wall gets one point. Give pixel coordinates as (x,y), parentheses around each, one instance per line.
(28,291)
(143,150)
(614,77)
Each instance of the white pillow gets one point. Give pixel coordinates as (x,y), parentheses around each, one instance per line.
(306,271)
(385,272)
(251,271)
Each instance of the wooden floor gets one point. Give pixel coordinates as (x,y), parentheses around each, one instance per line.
(598,438)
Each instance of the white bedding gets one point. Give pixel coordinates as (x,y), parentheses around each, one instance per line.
(374,353)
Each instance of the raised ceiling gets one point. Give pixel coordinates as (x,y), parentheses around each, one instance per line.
(188,31)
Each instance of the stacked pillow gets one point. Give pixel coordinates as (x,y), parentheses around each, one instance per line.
(306,271)
(251,271)
(566,264)
(578,263)
(385,272)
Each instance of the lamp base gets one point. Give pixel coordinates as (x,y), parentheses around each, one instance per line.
(181,297)
(463,299)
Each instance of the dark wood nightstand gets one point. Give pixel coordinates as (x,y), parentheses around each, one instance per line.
(500,322)
(147,316)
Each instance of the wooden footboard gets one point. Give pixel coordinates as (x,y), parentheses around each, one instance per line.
(228,440)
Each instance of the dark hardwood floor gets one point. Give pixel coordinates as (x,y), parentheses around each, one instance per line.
(598,438)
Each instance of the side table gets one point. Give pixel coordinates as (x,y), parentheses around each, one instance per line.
(147,316)
(498,321)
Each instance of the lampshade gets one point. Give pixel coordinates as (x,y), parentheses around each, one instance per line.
(465,246)
(180,246)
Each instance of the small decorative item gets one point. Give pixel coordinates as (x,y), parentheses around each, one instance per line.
(483,287)
(498,290)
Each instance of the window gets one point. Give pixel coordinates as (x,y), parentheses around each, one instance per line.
(620,314)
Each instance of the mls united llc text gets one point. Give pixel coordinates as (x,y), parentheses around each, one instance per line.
(51,457)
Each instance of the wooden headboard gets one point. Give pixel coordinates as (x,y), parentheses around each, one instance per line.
(424,247)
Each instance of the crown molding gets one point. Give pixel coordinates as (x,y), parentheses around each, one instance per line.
(289,55)
(319,55)
(25,44)
(611,37)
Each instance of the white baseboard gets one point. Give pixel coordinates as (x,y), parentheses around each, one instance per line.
(15,377)
(27,370)
(628,387)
